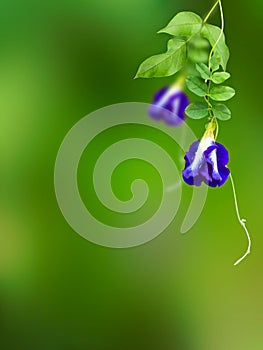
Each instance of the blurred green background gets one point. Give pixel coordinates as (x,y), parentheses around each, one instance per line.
(59,61)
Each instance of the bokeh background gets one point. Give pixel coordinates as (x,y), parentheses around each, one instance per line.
(59,61)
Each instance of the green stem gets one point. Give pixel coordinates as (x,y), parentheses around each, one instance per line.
(241,221)
(212,117)
(217,128)
(221,32)
(210,12)
(214,120)
(208,93)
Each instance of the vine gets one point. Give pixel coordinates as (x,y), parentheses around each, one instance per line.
(200,49)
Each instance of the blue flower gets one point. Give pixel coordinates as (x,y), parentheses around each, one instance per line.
(169,105)
(206,162)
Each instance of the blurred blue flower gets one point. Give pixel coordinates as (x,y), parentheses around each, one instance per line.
(206,162)
(169,105)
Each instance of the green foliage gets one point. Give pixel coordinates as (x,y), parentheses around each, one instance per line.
(192,39)
(203,70)
(212,33)
(198,49)
(220,77)
(221,93)
(196,85)
(165,64)
(199,42)
(183,24)
(197,110)
(197,55)
(215,62)
(188,25)
(221,112)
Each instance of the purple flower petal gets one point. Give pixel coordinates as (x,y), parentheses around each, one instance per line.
(169,105)
(209,167)
(159,94)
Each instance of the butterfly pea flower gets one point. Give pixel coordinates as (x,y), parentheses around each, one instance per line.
(169,105)
(206,162)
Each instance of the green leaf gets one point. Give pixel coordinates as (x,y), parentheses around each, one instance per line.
(203,70)
(221,93)
(183,24)
(197,110)
(165,64)
(196,85)
(212,33)
(197,55)
(221,112)
(199,43)
(197,50)
(215,62)
(220,77)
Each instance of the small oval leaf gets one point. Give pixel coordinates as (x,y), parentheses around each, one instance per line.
(220,77)
(197,110)
(221,93)
(203,70)
(196,85)
(221,112)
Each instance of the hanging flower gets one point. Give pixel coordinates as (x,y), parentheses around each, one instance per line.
(206,162)
(169,104)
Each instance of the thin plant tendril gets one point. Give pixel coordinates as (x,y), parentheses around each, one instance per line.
(209,60)
(221,33)
(210,12)
(241,221)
